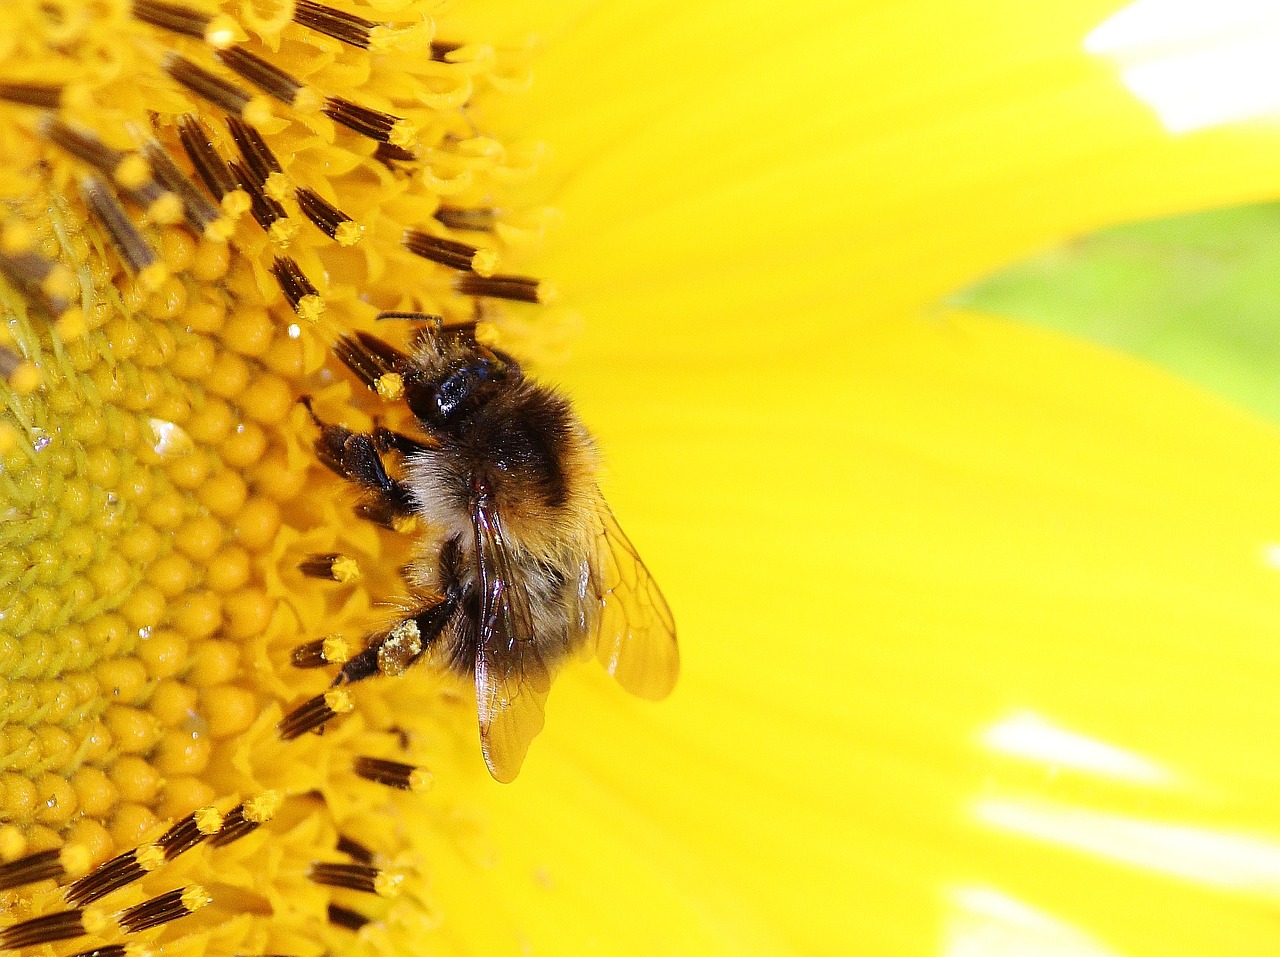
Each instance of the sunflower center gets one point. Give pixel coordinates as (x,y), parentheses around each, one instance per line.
(197,206)
(147,480)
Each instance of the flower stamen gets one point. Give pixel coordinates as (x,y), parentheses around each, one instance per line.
(357,877)
(332,566)
(297,288)
(190,831)
(116,873)
(330,220)
(221,93)
(371,123)
(346,27)
(172,17)
(43,281)
(247,817)
(204,218)
(43,865)
(122,167)
(197,143)
(262,163)
(354,849)
(268,212)
(515,288)
(389,153)
(314,712)
(166,907)
(479,219)
(130,244)
(45,95)
(450,252)
(46,929)
(346,917)
(332,650)
(393,774)
(267,77)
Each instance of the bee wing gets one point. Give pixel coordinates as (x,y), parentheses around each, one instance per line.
(512,678)
(635,633)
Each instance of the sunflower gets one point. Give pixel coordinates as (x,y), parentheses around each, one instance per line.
(977,619)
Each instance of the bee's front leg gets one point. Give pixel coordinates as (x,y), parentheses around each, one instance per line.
(355,456)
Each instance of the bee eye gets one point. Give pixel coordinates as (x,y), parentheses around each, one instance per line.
(458,392)
(454,391)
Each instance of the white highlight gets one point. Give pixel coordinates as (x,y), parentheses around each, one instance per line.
(1238,862)
(988,923)
(169,438)
(1271,555)
(1032,737)
(1197,63)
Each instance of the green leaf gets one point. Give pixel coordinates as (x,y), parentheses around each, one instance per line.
(1197,294)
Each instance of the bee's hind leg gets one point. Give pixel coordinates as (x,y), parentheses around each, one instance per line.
(392,653)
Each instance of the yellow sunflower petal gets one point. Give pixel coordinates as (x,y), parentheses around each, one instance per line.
(881,156)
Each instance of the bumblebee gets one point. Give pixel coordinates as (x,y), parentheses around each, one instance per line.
(530,568)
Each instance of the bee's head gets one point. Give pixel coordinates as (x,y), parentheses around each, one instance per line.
(460,385)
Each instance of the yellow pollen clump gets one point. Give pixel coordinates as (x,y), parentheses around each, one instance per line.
(236,203)
(282,231)
(420,780)
(405,524)
(166,210)
(208,820)
(339,701)
(223,31)
(71,325)
(152,277)
(195,897)
(98,919)
(258,111)
(548,293)
(390,386)
(348,233)
(263,807)
(132,172)
(404,134)
(310,308)
(16,238)
(336,650)
(387,884)
(484,262)
(345,570)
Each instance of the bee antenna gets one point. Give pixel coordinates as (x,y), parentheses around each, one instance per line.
(425,317)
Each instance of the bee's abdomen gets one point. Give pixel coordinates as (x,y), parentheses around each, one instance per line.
(550,592)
